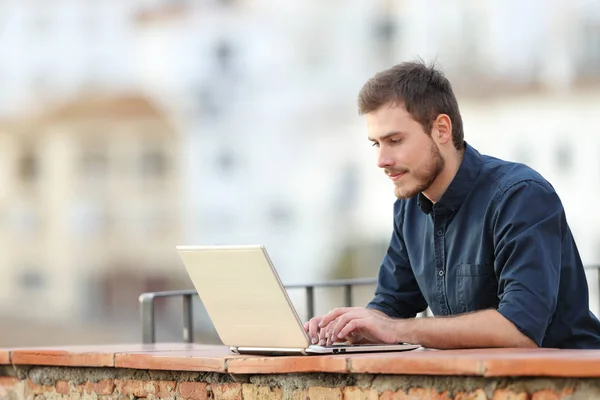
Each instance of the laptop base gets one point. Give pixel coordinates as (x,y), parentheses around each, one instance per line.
(324,350)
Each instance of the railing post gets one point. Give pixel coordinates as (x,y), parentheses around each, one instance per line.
(188,319)
(310,301)
(348,295)
(598,278)
(147,317)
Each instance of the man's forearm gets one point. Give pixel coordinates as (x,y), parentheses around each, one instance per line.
(486,328)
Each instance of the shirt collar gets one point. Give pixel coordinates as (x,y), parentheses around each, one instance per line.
(460,186)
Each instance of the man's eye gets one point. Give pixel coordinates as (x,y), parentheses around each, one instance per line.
(395,141)
(375,144)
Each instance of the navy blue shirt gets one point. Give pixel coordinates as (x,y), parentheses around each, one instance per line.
(497,239)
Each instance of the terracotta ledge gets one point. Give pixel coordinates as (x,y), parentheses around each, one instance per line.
(205,358)
(4,357)
(86,356)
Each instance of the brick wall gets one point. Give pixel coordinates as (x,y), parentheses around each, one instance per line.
(57,383)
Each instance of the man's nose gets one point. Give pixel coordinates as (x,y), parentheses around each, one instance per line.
(384,161)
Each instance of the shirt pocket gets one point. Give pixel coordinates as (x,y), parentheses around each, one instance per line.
(477,287)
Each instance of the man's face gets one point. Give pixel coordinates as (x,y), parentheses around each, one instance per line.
(407,154)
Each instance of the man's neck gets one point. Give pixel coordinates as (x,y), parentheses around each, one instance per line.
(438,187)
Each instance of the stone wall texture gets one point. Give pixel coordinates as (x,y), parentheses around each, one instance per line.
(58,383)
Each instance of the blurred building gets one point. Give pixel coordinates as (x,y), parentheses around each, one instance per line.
(89,213)
(247,132)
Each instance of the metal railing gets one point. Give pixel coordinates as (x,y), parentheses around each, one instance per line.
(147,300)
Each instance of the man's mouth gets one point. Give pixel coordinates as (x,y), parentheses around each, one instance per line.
(396,176)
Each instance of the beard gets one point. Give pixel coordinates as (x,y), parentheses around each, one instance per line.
(425,174)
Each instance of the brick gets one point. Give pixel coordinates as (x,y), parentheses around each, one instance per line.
(477,394)
(549,394)
(227,391)
(193,390)
(102,387)
(505,394)
(77,388)
(297,394)
(4,357)
(355,393)
(323,393)
(416,394)
(34,388)
(165,389)
(261,392)
(62,387)
(8,384)
(427,393)
(136,388)
(398,395)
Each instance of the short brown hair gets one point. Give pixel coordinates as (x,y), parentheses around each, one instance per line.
(424,91)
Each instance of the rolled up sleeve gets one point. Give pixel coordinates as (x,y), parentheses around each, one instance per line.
(529,226)
(397,293)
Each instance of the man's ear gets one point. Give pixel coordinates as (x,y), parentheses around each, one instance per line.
(442,129)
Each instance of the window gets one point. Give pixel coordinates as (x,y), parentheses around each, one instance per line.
(224,56)
(93,159)
(280,215)
(207,99)
(349,188)
(31,279)
(24,220)
(153,221)
(384,35)
(385,30)
(153,164)
(589,65)
(28,168)
(226,162)
(94,164)
(564,158)
(89,219)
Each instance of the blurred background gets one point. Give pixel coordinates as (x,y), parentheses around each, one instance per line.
(128,127)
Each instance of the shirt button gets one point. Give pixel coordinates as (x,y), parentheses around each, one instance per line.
(440,232)
(441,272)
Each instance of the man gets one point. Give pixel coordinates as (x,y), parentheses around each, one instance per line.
(481,241)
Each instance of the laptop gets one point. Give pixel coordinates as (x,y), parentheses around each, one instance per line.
(250,308)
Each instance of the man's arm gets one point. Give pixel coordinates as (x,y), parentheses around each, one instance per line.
(529,227)
(487,328)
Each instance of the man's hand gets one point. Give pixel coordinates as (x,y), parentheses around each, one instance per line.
(312,328)
(319,335)
(357,324)
(370,325)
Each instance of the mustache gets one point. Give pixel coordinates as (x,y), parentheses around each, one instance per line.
(394,171)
